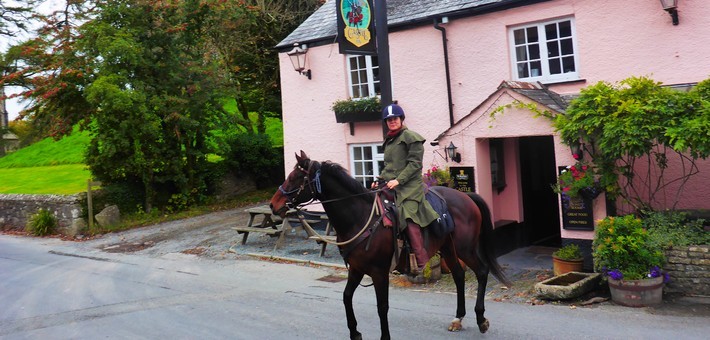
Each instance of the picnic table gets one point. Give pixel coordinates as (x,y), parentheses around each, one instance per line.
(262,220)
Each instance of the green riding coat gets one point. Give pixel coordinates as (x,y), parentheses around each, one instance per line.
(403,162)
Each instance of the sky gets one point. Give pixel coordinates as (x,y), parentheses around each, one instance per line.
(14,106)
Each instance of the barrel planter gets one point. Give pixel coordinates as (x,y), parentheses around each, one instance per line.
(637,293)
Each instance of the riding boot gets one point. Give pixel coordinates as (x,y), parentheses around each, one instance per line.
(415,240)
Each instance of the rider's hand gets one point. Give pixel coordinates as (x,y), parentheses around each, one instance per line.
(392,184)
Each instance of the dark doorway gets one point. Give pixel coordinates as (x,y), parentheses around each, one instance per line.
(540,204)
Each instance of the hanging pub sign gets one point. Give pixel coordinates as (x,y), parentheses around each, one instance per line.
(463,178)
(356,27)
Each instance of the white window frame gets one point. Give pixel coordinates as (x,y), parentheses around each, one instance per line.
(355,164)
(545,75)
(368,67)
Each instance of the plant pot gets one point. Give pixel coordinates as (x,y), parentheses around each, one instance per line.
(560,266)
(431,273)
(637,293)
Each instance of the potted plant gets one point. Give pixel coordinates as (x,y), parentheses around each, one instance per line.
(357,110)
(623,252)
(578,180)
(567,259)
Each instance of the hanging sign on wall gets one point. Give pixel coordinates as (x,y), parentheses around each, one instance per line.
(356,27)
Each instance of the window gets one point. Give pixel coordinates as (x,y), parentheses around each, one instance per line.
(544,51)
(364,76)
(366,162)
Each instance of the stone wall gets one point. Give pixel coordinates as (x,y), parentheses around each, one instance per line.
(689,270)
(15,210)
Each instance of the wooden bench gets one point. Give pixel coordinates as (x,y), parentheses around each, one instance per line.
(270,224)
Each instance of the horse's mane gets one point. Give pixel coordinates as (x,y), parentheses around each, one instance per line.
(341,175)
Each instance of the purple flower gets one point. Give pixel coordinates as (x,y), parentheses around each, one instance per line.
(655,272)
(615,274)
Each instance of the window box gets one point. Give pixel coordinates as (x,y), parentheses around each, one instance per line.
(357,110)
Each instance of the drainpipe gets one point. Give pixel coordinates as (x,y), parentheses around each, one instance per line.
(445,20)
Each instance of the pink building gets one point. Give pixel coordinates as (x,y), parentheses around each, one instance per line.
(496,53)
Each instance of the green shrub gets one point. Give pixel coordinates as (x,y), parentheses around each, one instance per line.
(621,248)
(42,223)
(667,229)
(254,154)
(568,252)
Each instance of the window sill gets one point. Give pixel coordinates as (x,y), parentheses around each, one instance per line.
(571,81)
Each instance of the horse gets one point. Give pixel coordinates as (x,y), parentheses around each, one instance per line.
(349,206)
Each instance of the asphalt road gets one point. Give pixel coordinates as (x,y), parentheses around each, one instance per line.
(53,289)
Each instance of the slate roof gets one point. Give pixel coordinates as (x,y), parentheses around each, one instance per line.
(537,92)
(322,25)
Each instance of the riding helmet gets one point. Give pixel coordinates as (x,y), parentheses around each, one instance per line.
(392,110)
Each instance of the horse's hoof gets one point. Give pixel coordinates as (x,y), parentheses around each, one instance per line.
(356,336)
(483,327)
(455,325)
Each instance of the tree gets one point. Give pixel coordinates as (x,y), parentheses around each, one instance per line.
(16,16)
(634,129)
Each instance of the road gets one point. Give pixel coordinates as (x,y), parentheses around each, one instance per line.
(52,289)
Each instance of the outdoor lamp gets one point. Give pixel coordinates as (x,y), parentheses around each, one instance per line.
(298,59)
(577,149)
(452,154)
(671,7)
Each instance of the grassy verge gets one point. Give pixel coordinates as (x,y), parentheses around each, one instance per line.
(66,179)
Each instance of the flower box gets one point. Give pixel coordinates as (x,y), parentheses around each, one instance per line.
(357,110)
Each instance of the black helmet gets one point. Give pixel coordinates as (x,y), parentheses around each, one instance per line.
(392,110)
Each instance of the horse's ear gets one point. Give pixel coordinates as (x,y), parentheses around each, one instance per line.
(303,158)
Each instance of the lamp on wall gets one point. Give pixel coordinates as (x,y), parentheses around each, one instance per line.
(671,7)
(577,149)
(452,154)
(298,59)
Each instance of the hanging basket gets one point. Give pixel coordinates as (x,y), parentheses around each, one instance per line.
(590,193)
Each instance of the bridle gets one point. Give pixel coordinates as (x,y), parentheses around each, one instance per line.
(292,195)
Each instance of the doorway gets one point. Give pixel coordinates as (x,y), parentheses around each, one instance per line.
(540,203)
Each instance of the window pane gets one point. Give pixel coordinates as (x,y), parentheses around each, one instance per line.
(565,29)
(534,51)
(357,154)
(368,169)
(521,53)
(363,76)
(519,37)
(551,31)
(523,70)
(536,69)
(568,64)
(364,91)
(555,66)
(552,50)
(567,48)
(356,91)
(358,169)
(353,63)
(532,34)
(368,153)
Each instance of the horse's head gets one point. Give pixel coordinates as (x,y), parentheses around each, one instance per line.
(298,187)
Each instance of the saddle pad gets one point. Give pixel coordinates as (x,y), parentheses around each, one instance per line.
(446,223)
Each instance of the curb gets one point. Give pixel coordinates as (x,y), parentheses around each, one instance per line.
(290,259)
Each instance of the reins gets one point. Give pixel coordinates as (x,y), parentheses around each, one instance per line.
(310,230)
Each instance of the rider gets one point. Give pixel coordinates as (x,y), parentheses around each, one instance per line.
(404,150)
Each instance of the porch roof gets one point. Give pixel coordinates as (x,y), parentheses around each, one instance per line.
(322,25)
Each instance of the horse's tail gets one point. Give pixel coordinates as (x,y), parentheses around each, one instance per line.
(487,241)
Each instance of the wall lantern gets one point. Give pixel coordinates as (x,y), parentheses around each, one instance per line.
(671,7)
(298,59)
(452,154)
(577,149)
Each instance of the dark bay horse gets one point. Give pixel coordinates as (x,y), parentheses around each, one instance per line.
(348,205)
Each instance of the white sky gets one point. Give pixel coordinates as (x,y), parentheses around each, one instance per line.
(13,105)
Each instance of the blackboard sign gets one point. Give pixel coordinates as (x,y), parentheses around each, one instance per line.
(577,212)
(463,178)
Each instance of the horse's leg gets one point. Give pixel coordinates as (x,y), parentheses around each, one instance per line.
(354,279)
(381,281)
(482,278)
(459,276)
